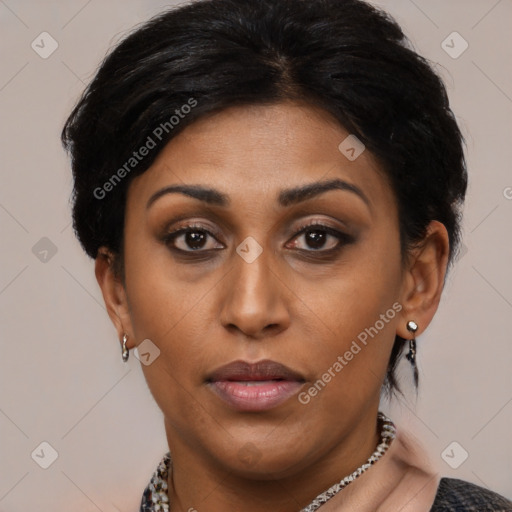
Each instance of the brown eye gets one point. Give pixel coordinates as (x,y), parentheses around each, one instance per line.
(320,238)
(192,239)
(317,239)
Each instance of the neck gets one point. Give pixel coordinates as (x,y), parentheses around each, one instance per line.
(197,482)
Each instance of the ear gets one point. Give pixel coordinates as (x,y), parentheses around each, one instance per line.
(423,279)
(114,294)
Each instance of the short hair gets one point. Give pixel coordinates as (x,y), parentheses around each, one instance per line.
(346,57)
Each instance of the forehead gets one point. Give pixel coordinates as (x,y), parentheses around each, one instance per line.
(258,150)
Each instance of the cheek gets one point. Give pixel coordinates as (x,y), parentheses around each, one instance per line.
(355,316)
(165,313)
(171,313)
(348,363)
(163,306)
(362,287)
(161,292)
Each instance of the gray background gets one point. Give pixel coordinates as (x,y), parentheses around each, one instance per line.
(62,380)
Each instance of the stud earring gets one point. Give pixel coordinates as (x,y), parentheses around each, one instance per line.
(411,356)
(126,352)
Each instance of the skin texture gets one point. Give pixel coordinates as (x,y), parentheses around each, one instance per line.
(290,305)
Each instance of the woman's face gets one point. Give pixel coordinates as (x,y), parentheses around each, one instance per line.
(267,272)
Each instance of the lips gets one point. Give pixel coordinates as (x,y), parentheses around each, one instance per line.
(263,370)
(254,386)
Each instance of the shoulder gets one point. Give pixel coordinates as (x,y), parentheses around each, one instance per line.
(455,495)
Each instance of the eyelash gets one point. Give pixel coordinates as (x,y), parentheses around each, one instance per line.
(343,238)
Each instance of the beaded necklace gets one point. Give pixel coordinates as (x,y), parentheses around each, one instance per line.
(156,499)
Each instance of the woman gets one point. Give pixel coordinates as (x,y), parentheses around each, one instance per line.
(272,192)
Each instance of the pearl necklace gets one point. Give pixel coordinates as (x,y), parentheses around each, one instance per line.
(156,499)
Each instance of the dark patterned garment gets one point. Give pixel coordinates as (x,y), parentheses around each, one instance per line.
(155,498)
(453,495)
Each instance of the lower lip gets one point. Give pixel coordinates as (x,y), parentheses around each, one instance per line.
(256,396)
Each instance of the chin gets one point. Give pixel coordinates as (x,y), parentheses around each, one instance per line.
(266,463)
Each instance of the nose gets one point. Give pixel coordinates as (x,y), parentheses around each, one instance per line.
(255,300)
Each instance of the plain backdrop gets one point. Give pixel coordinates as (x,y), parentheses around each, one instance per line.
(62,381)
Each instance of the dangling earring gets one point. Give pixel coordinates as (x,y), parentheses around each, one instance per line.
(411,356)
(126,352)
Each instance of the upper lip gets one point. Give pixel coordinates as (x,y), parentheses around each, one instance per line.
(261,370)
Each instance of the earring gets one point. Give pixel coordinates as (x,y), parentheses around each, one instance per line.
(411,356)
(126,352)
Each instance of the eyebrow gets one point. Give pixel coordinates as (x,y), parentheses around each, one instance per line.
(286,197)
